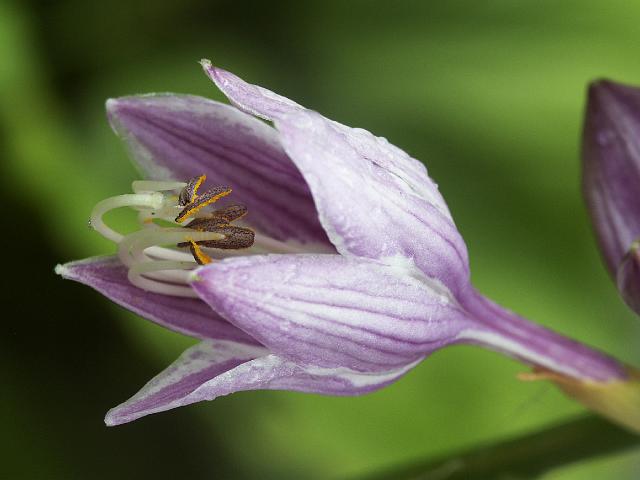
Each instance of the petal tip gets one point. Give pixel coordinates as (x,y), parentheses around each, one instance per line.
(599,86)
(205,63)
(69,270)
(201,281)
(114,108)
(603,91)
(195,277)
(216,74)
(120,415)
(76,269)
(599,83)
(605,84)
(112,419)
(111,104)
(121,106)
(61,270)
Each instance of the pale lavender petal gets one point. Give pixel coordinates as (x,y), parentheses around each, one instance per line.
(214,369)
(249,98)
(611,167)
(330,310)
(174,386)
(266,104)
(366,208)
(188,316)
(180,136)
(373,199)
(628,277)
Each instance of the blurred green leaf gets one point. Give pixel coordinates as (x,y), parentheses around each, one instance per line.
(526,457)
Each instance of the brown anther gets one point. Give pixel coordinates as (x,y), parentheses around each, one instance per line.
(230,213)
(235,238)
(204,224)
(218,217)
(201,201)
(190,192)
(216,221)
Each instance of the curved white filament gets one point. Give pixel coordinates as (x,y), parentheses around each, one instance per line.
(137,271)
(154,262)
(151,200)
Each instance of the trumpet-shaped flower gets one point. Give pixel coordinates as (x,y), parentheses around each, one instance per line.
(611,180)
(346,271)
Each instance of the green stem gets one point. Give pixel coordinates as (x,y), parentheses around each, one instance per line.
(525,457)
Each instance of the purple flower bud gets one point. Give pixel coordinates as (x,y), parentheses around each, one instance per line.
(629,277)
(611,180)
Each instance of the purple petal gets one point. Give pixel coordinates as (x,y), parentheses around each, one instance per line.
(181,136)
(188,316)
(611,174)
(628,277)
(367,209)
(373,199)
(213,369)
(330,310)
(249,98)
(266,104)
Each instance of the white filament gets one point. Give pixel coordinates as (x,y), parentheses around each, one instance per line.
(137,248)
(153,266)
(149,200)
(137,271)
(272,245)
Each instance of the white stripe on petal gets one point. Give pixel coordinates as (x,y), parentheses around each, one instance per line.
(362,379)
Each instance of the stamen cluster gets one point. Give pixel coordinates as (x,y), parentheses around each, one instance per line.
(153,253)
(217,221)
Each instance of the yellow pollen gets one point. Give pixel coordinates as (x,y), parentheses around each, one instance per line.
(195,207)
(201,179)
(200,257)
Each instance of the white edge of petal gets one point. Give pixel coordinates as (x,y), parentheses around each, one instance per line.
(501,343)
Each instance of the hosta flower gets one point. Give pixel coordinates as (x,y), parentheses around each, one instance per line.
(331,261)
(611,180)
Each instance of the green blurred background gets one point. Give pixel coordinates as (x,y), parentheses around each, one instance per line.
(489,94)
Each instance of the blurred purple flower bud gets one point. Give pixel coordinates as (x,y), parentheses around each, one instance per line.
(611,180)
(629,277)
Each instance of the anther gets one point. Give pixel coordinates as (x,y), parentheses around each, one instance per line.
(221,216)
(154,267)
(201,201)
(234,238)
(189,193)
(229,214)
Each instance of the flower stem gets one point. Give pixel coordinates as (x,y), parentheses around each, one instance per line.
(501,330)
(595,379)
